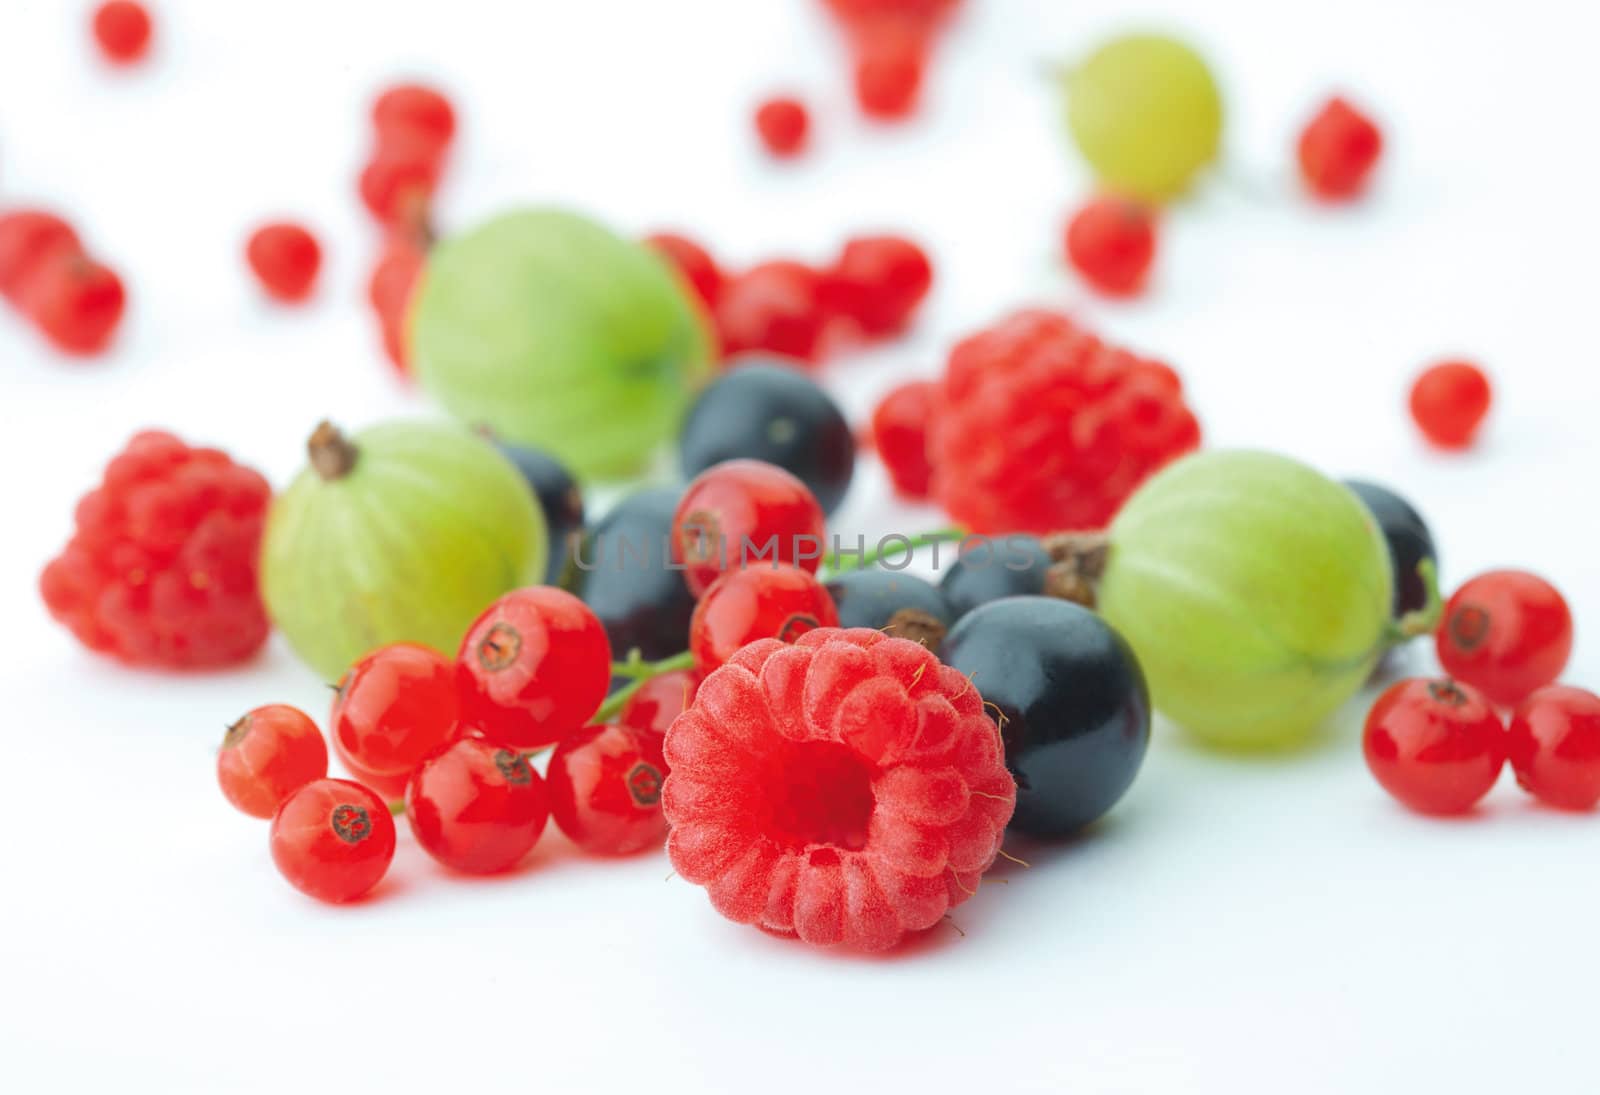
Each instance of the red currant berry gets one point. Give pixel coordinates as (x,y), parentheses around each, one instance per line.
(534,667)
(1449,402)
(783,123)
(900,434)
(878,282)
(389,289)
(122,29)
(333,840)
(1507,633)
(741,513)
(1338,150)
(285,259)
(691,260)
(890,58)
(774,307)
(1554,747)
(27,238)
(1111,242)
(659,700)
(414,112)
(1437,746)
(477,807)
(398,184)
(394,707)
(762,602)
(605,790)
(268,755)
(75,301)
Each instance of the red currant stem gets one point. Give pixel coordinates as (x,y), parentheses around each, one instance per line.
(640,673)
(891,546)
(397,807)
(1422,621)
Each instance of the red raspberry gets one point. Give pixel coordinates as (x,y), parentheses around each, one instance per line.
(783,124)
(1111,242)
(122,29)
(878,282)
(285,258)
(775,307)
(846,789)
(162,567)
(694,262)
(900,434)
(414,112)
(1042,427)
(1449,402)
(28,237)
(1338,150)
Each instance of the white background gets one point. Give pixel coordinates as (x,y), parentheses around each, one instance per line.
(1234,926)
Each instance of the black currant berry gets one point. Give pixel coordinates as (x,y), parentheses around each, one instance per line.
(901,605)
(1410,542)
(559,498)
(772,412)
(623,570)
(1071,702)
(993,567)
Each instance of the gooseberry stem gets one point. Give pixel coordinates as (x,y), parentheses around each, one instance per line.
(836,565)
(639,673)
(1422,621)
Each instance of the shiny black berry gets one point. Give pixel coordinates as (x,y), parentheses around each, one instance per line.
(762,410)
(623,570)
(559,498)
(992,567)
(897,604)
(1071,702)
(1410,542)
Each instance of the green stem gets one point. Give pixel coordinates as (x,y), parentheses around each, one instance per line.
(640,674)
(397,807)
(1422,621)
(891,545)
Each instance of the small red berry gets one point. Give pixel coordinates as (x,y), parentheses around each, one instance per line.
(659,700)
(122,28)
(1111,242)
(783,125)
(878,281)
(398,183)
(605,789)
(1437,746)
(414,112)
(393,707)
(1507,633)
(1449,402)
(269,754)
(890,58)
(27,238)
(775,307)
(900,434)
(477,807)
(1555,747)
(76,302)
(333,840)
(691,260)
(1337,151)
(533,667)
(285,258)
(745,513)
(761,602)
(389,288)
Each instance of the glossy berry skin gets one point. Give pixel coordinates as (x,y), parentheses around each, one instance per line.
(1409,539)
(900,425)
(559,497)
(285,258)
(901,605)
(1507,633)
(783,124)
(333,840)
(1449,402)
(989,569)
(533,667)
(693,261)
(623,570)
(765,409)
(122,29)
(1338,150)
(1111,242)
(76,302)
(1070,700)
(1437,746)
(27,238)
(659,700)
(1554,747)
(267,755)
(877,281)
(413,112)
(745,513)
(477,807)
(761,602)
(394,707)
(605,790)
(773,307)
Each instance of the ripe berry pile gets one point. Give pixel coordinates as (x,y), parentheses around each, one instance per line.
(48,276)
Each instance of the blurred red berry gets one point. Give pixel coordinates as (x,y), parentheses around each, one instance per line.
(890,58)
(1111,242)
(693,261)
(775,307)
(75,301)
(416,112)
(1449,402)
(783,124)
(900,434)
(878,281)
(27,238)
(285,258)
(122,28)
(659,700)
(398,184)
(1338,150)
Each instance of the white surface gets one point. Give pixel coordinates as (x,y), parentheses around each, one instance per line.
(1235,926)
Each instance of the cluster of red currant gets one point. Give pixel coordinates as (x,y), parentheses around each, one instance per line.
(869,291)
(50,278)
(1439,745)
